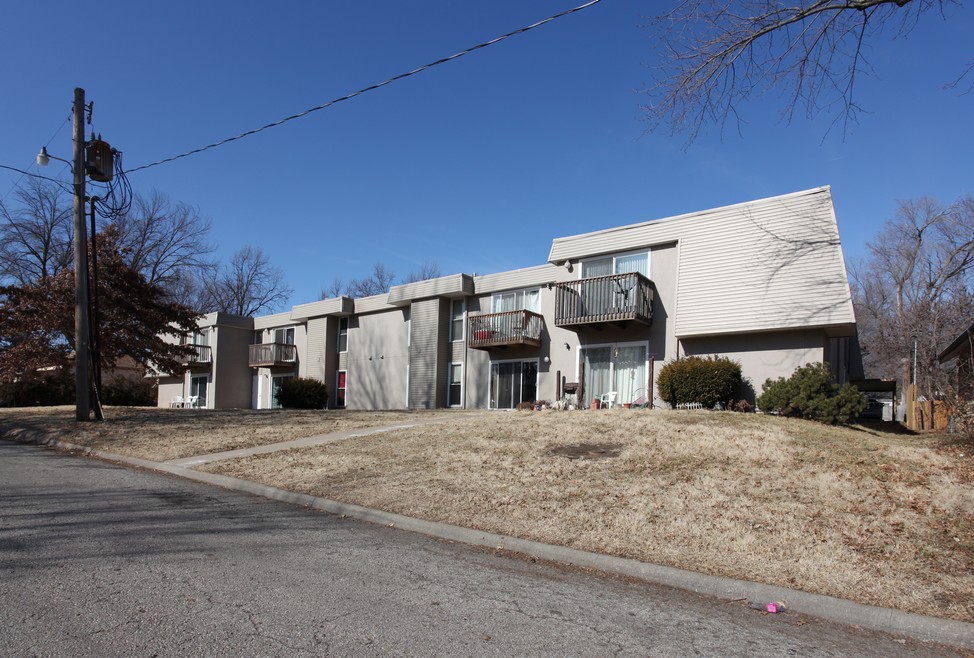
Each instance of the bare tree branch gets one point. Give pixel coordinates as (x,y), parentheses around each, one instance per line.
(248,285)
(915,291)
(720,54)
(36,237)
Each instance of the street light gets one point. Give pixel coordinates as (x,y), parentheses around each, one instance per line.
(82,327)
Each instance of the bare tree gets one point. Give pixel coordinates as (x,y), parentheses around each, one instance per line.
(247,286)
(165,241)
(337,288)
(718,54)
(913,296)
(380,281)
(428,270)
(36,234)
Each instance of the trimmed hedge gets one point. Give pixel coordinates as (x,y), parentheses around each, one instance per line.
(810,393)
(302,393)
(694,379)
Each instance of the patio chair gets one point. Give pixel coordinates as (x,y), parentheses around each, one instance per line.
(193,401)
(177,401)
(640,401)
(608,400)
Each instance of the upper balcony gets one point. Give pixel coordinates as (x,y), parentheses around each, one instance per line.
(506,329)
(200,357)
(617,298)
(270,355)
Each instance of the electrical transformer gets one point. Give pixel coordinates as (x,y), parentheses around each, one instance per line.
(99,160)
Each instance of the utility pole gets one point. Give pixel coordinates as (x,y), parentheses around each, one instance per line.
(82,325)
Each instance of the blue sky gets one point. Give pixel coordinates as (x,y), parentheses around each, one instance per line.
(476,164)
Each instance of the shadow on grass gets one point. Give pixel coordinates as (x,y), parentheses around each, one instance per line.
(874,426)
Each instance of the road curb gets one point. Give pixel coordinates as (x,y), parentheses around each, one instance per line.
(920,627)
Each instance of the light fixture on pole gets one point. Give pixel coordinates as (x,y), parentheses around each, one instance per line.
(82,325)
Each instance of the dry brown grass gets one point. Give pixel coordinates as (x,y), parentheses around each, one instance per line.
(163,434)
(877,517)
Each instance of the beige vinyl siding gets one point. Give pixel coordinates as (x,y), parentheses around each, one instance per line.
(529,277)
(427,347)
(376,361)
(374,304)
(334,306)
(272,321)
(454,285)
(769,264)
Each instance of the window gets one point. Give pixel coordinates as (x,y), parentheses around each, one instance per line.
(516,300)
(200,337)
(197,388)
(284,336)
(456,319)
(276,382)
(455,395)
(258,337)
(343,334)
(340,388)
(621,264)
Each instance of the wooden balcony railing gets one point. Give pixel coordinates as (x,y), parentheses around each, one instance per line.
(505,329)
(200,356)
(604,299)
(268,355)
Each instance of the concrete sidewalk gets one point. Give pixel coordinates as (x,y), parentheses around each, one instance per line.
(919,627)
(197,460)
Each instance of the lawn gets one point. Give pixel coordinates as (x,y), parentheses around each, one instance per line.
(876,516)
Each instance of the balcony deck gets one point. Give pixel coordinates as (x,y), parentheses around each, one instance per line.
(272,355)
(508,329)
(201,357)
(615,299)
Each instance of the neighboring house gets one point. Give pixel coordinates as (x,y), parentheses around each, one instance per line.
(960,349)
(762,282)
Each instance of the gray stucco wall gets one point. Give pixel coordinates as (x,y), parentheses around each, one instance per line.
(231,382)
(766,355)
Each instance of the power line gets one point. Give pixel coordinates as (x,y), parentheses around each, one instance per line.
(401,76)
(23,173)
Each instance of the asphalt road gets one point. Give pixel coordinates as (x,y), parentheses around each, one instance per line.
(99,560)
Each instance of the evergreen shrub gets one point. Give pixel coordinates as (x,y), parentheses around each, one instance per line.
(811,393)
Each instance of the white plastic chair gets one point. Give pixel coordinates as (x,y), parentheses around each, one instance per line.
(193,401)
(177,401)
(608,400)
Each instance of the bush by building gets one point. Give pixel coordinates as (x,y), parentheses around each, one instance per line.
(129,392)
(811,393)
(302,393)
(699,380)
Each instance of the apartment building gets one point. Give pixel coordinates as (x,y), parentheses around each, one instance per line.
(762,282)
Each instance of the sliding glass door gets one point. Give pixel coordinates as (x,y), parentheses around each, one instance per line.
(513,382)
(615,368)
